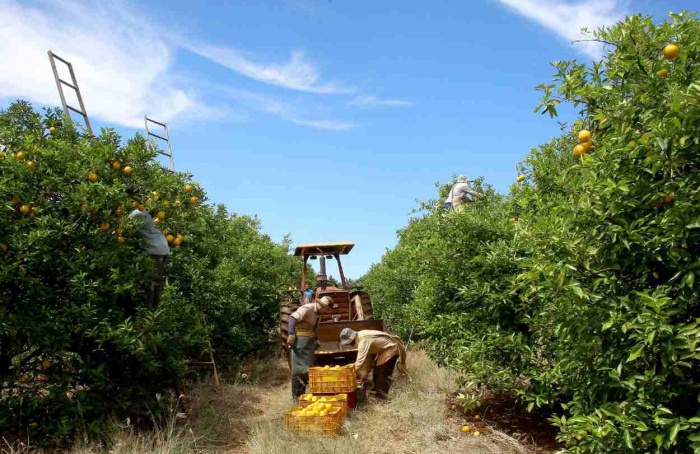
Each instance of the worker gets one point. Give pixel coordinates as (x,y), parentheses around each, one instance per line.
(302,341)
(389,351)
(156,246)
(459,194)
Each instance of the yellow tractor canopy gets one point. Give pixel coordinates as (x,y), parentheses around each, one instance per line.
(342,248)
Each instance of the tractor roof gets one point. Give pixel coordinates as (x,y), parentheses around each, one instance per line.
(324,248)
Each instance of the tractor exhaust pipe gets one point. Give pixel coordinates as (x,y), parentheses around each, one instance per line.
(321,277)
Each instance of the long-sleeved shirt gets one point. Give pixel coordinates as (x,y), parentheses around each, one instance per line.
(157,244)
(305,318)
(372,342)
(459,193)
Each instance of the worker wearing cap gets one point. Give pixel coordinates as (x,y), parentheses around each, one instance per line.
(301,342)
(389,351)
(459,194)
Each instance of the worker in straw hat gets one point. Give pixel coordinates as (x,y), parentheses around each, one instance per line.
(301,342)
(389,352)
(459,194)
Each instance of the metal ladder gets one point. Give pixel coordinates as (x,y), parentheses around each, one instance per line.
(74,85)
(166,139)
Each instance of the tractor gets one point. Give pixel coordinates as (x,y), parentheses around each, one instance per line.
(351,306)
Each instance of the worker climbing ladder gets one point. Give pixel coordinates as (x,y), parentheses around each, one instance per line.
(73,85)
(165,137)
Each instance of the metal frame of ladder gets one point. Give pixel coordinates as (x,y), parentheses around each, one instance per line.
(150,134)
(74,85)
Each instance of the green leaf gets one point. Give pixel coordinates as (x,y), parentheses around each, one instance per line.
(635,353)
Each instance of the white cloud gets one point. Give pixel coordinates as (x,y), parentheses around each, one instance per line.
(329,125)
(566,19)
(281,109)
(122,66)
(373,101)
(296,74)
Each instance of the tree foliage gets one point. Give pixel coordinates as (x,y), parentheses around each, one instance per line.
(587,306)
(77,342)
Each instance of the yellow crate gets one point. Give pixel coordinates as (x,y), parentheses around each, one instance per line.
(297,420)
(337,400)
(332,380)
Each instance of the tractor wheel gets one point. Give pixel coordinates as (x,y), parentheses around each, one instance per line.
(361,306)
(287,308)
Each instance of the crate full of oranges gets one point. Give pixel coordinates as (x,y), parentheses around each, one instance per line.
(332,379)
(338,400)
(316,418)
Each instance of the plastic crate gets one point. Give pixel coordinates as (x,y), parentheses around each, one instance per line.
(332,380)
(337,400)
(330,424)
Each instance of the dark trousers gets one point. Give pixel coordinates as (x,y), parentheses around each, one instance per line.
(155,287)
(382,377)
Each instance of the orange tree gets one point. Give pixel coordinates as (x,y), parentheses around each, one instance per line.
(77,343)
(602,327)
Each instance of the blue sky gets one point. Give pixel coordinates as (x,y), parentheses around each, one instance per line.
(326,118)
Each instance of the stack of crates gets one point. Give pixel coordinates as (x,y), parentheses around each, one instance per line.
(323,409)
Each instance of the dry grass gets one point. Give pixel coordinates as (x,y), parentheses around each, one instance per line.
(246,418)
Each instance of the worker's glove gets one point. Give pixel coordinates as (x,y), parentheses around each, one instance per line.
(291,340)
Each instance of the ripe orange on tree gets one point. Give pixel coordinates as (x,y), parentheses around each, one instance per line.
(669,198)
(3,247)
(170,238)
(663,73)
(671,51)
(166,203)
(24,209)
(2,155)
(127,170)
(21,155)
(104,226)
(45,364)
(177,203)
(31,165)
(520,178)
(189,188)
(160,215)
(579,150)
(52,130)
(584,135)
(116,165)
(193,200)
(121,239)
(93,177)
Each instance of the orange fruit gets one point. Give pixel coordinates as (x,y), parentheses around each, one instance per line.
(177,241)
(160,215)
(31,165)
(92,177)
(579,150)
(2,155)
(477,433)
(587,146)
(170,238)
(116,165)
(671,51)
(104,226)
(513,220)
(177,203)
(189,188)
(35,210)
(584,135)
(668,198)
(121,239)
(52,130)
(3,247)
(119,232)
(193,200)
(476,418)
(127,170)
(15,199)
(24,209)
(520,178)
(662,73)
(466,428)
(166,203)
(45,364)
(119,211)
(141,207)
(21,155)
